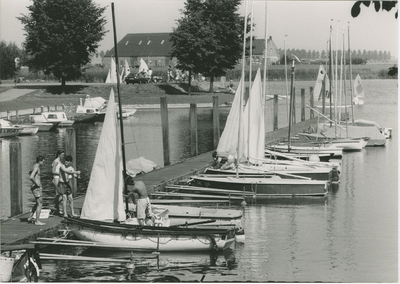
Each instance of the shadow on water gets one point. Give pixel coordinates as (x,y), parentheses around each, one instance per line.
(143,267)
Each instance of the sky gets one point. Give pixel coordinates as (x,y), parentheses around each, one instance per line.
(306,24)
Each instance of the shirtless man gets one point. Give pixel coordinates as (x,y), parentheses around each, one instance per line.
(143,205)
(36,189)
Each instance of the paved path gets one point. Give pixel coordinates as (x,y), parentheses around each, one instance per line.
(13,94)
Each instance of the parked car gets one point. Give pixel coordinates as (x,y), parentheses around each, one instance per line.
(158,79)
(135,78)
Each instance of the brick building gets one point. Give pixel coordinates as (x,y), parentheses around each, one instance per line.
(155,50)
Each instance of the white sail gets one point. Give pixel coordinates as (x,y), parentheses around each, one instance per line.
(108,80)
(127,69)
(143,66)
(254,132)
(358,91)
(228,141)
(113,71)
(104,200)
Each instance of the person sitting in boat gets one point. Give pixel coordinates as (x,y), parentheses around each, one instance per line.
(216,163)
(143,205)
(230,164)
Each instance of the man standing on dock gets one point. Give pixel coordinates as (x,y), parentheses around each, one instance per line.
(36,189)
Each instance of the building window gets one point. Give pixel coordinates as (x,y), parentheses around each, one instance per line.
(148,42)
(140,42)
(162,42)
(127,42)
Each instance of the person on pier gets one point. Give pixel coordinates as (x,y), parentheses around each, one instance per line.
(56,178)
(65,188)
(36,189)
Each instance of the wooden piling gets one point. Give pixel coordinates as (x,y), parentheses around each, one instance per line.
(193,131)
(323,96)
(70,149)
(165,130)
(312,102)
(16,115)
(216,128)
(42,109)
(303,104)
(15,179)
(294,106)
(275,112)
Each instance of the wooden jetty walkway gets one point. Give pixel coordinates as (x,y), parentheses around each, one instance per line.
(17,230)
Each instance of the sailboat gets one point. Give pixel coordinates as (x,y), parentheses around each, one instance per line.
(103,218)
(359,94)
(357,128)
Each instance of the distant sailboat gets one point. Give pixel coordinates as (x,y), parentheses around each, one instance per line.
(112,73)
(359,94)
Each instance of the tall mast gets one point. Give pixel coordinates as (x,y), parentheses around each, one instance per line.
(265,55)
(291,106)
(330,74)
(119,106)
(250,75)
(351,77)
(241,93)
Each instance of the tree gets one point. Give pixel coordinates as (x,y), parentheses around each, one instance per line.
(8,53)
(378,5)
(60,35)
(208,38)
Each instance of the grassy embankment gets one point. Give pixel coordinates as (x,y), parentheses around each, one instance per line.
(51,95)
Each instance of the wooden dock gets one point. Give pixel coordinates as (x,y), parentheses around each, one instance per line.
(17,230)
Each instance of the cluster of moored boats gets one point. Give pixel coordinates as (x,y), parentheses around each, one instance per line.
(89,110)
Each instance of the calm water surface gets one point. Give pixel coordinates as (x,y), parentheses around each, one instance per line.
(349,236)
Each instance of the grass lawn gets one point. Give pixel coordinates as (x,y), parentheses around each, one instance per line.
(51,95)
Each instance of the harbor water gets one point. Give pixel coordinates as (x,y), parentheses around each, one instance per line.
(351,235)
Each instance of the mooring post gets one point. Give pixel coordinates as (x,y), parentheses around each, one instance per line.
(15,178)
(216,129)
(41,108)
(16,115)
(165,130)
(8,115)
(312,102)
(48,108)
(193,130)
(303,104)
(294,106)
(275,112)
(323,96)
(70,149)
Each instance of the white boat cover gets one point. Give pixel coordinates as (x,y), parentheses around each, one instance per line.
(95,102)
(143,66)
(104,199)
(140,165)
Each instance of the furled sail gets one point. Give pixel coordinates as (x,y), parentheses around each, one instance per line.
(104,199)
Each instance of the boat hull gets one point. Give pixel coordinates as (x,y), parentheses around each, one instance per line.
(126,237)
(264,187)
(9,132)
(316,175)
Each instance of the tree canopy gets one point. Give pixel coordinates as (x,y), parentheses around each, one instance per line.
(61,34)
(378,5)
(8,53)
(208,38)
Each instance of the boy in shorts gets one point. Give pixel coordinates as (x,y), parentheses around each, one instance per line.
(64,185)
(36,189)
